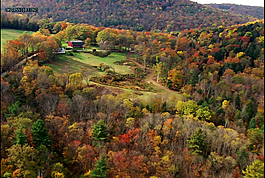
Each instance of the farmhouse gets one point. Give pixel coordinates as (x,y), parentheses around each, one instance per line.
(75,44)
(60,51)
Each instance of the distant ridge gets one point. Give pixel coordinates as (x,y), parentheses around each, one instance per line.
(255,11)
(161,15)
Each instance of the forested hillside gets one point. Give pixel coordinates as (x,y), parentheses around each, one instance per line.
(254,11)
(60,126)
(170,15)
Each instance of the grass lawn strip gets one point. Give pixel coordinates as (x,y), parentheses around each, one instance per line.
(10,34)
(64,63)
(109,60)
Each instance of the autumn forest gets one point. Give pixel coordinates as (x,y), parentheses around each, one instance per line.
(159,98)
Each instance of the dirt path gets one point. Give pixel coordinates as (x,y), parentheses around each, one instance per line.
(19,64)
(150,76)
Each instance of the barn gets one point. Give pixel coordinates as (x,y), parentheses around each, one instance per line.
(75,44)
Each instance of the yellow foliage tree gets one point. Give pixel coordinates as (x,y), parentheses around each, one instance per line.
(75,79)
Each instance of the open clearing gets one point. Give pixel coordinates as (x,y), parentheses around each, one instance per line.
(65,63)
(146,96)
(10,34)
(84,62)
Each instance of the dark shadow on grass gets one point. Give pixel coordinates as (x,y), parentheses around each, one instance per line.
(65,64)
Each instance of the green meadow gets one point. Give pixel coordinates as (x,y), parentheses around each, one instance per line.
(84,62)
(10,34)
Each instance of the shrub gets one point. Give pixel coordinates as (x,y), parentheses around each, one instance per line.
(110,71)
(101,53)
(103,67)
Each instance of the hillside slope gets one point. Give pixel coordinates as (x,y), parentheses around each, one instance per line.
(63,124)
(136,15)
(254,11)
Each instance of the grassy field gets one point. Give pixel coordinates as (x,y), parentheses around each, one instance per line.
(84,62)
(10,34)
(65,63)
(133,56)
(92,60)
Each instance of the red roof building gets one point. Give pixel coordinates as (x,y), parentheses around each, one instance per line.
(75,44)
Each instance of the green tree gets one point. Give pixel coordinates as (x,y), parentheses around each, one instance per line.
(48,71)
(70,32)
(21,137)
(192,78)
(40,134)
(13,109)
(256,170)
(197,142)
(87,43)
(238,101)
(242,158)
(252,124)
(100,168)
(204,113)
(186,108)
(100,132)
(256,139)
(191,107)
(249,110)
(105,39)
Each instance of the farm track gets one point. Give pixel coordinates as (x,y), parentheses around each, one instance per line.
(19,64)
(150,76)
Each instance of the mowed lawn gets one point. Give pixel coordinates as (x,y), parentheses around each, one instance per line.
(10,34)
(65,64)
(92,60)
(85,62)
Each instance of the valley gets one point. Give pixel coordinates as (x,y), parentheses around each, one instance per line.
(141,89)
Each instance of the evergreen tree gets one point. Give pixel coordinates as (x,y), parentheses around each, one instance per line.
(242,158)
(192,78)
(13,109)
(252,124)
(254,105)
(40,134)
(238,101)
(21,137)
(197,142)
(100,132)
(248,111)
(164,107)
(100,168)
